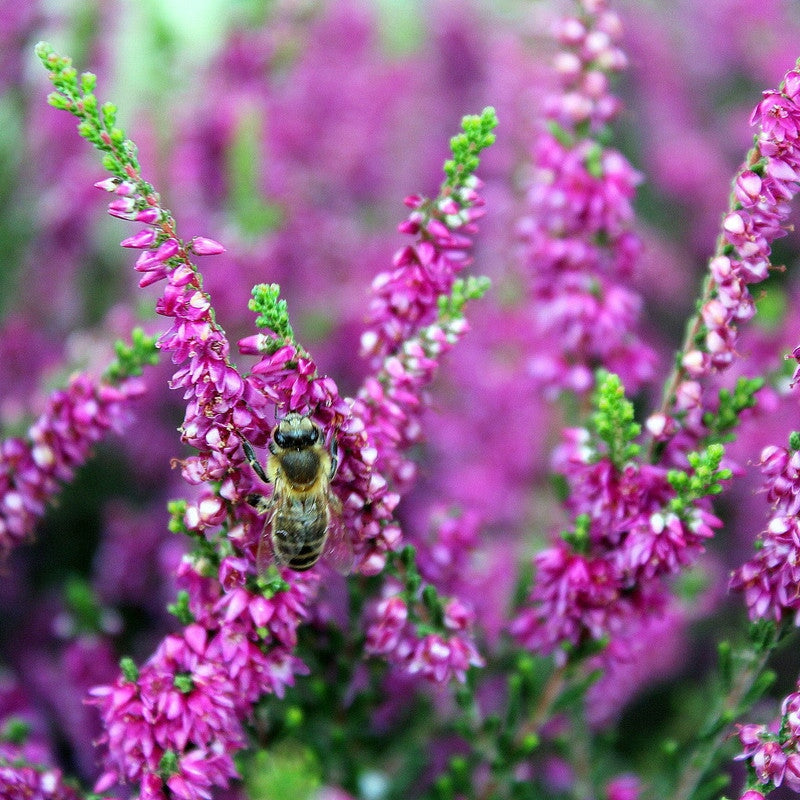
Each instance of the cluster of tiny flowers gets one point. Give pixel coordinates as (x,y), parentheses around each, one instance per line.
(391,401)
(405,299)
(219,399)
(613,576)
(20,782)
(760,206)
(773,753)
(579,246)
(25,773)
(33,468)
(173,727)
(435,656)
(402,335)
(770,579)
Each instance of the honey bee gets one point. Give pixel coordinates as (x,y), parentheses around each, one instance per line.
(303,512)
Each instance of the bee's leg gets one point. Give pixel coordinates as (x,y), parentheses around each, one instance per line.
(334,452)
(260,503)
(253,461)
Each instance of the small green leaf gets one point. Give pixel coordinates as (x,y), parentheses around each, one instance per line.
(129,669)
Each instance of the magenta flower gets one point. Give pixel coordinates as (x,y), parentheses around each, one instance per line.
(33,469)
(392,634)
(181,715)
(757,216)
(580,248)
(21,783)
(405,299)
(771,579)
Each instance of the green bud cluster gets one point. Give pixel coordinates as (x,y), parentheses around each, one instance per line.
(703,480)
(75,93)
(722,423)
(451,306)
(273,313)
(466,146)
(613,420)
(131,359)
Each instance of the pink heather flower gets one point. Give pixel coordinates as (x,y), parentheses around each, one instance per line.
(624,787)
(203,246)
(23,782)
(439,659)
(392,635)
(219,399)
(572,597)
(760,206)
(770,580)
(630,523)
(579,246)
(634,541)
(769,762)
(405,299)
(774,752)
(181,701)
(33,468)
(192,695)
(387,633)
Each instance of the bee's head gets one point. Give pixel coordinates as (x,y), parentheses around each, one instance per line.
(296,432)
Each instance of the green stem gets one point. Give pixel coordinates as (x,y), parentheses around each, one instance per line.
(707,752)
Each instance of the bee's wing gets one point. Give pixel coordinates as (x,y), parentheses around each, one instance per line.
(338,550)
(265,553)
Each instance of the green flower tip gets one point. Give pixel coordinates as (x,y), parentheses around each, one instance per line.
(180,608)
(613,419)
(129,669)
(451,306)
(476,135)
(794,440)
(578,539)
(271,583)
(168,765)
(131,359)
(15,731)
(183,682)
(48,56)
(273,313)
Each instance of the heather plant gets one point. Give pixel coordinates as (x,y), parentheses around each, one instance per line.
(546,573)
